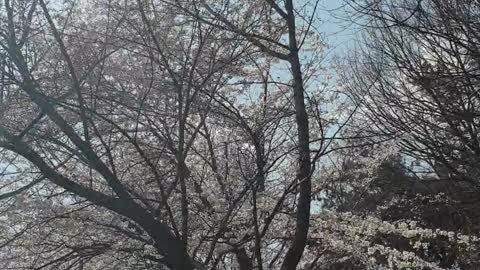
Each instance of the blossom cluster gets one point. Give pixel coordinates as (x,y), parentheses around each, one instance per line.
(370,240)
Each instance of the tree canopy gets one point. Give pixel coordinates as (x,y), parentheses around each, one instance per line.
(213,134)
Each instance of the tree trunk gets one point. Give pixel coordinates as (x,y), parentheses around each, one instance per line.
(294,253)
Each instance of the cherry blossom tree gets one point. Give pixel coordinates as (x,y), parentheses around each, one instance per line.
(199,135)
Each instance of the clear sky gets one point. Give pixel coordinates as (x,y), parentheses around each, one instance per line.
(339,32)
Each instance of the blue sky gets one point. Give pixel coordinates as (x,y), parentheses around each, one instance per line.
(340,33)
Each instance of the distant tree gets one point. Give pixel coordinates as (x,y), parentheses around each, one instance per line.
(362,183)
(416,79)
